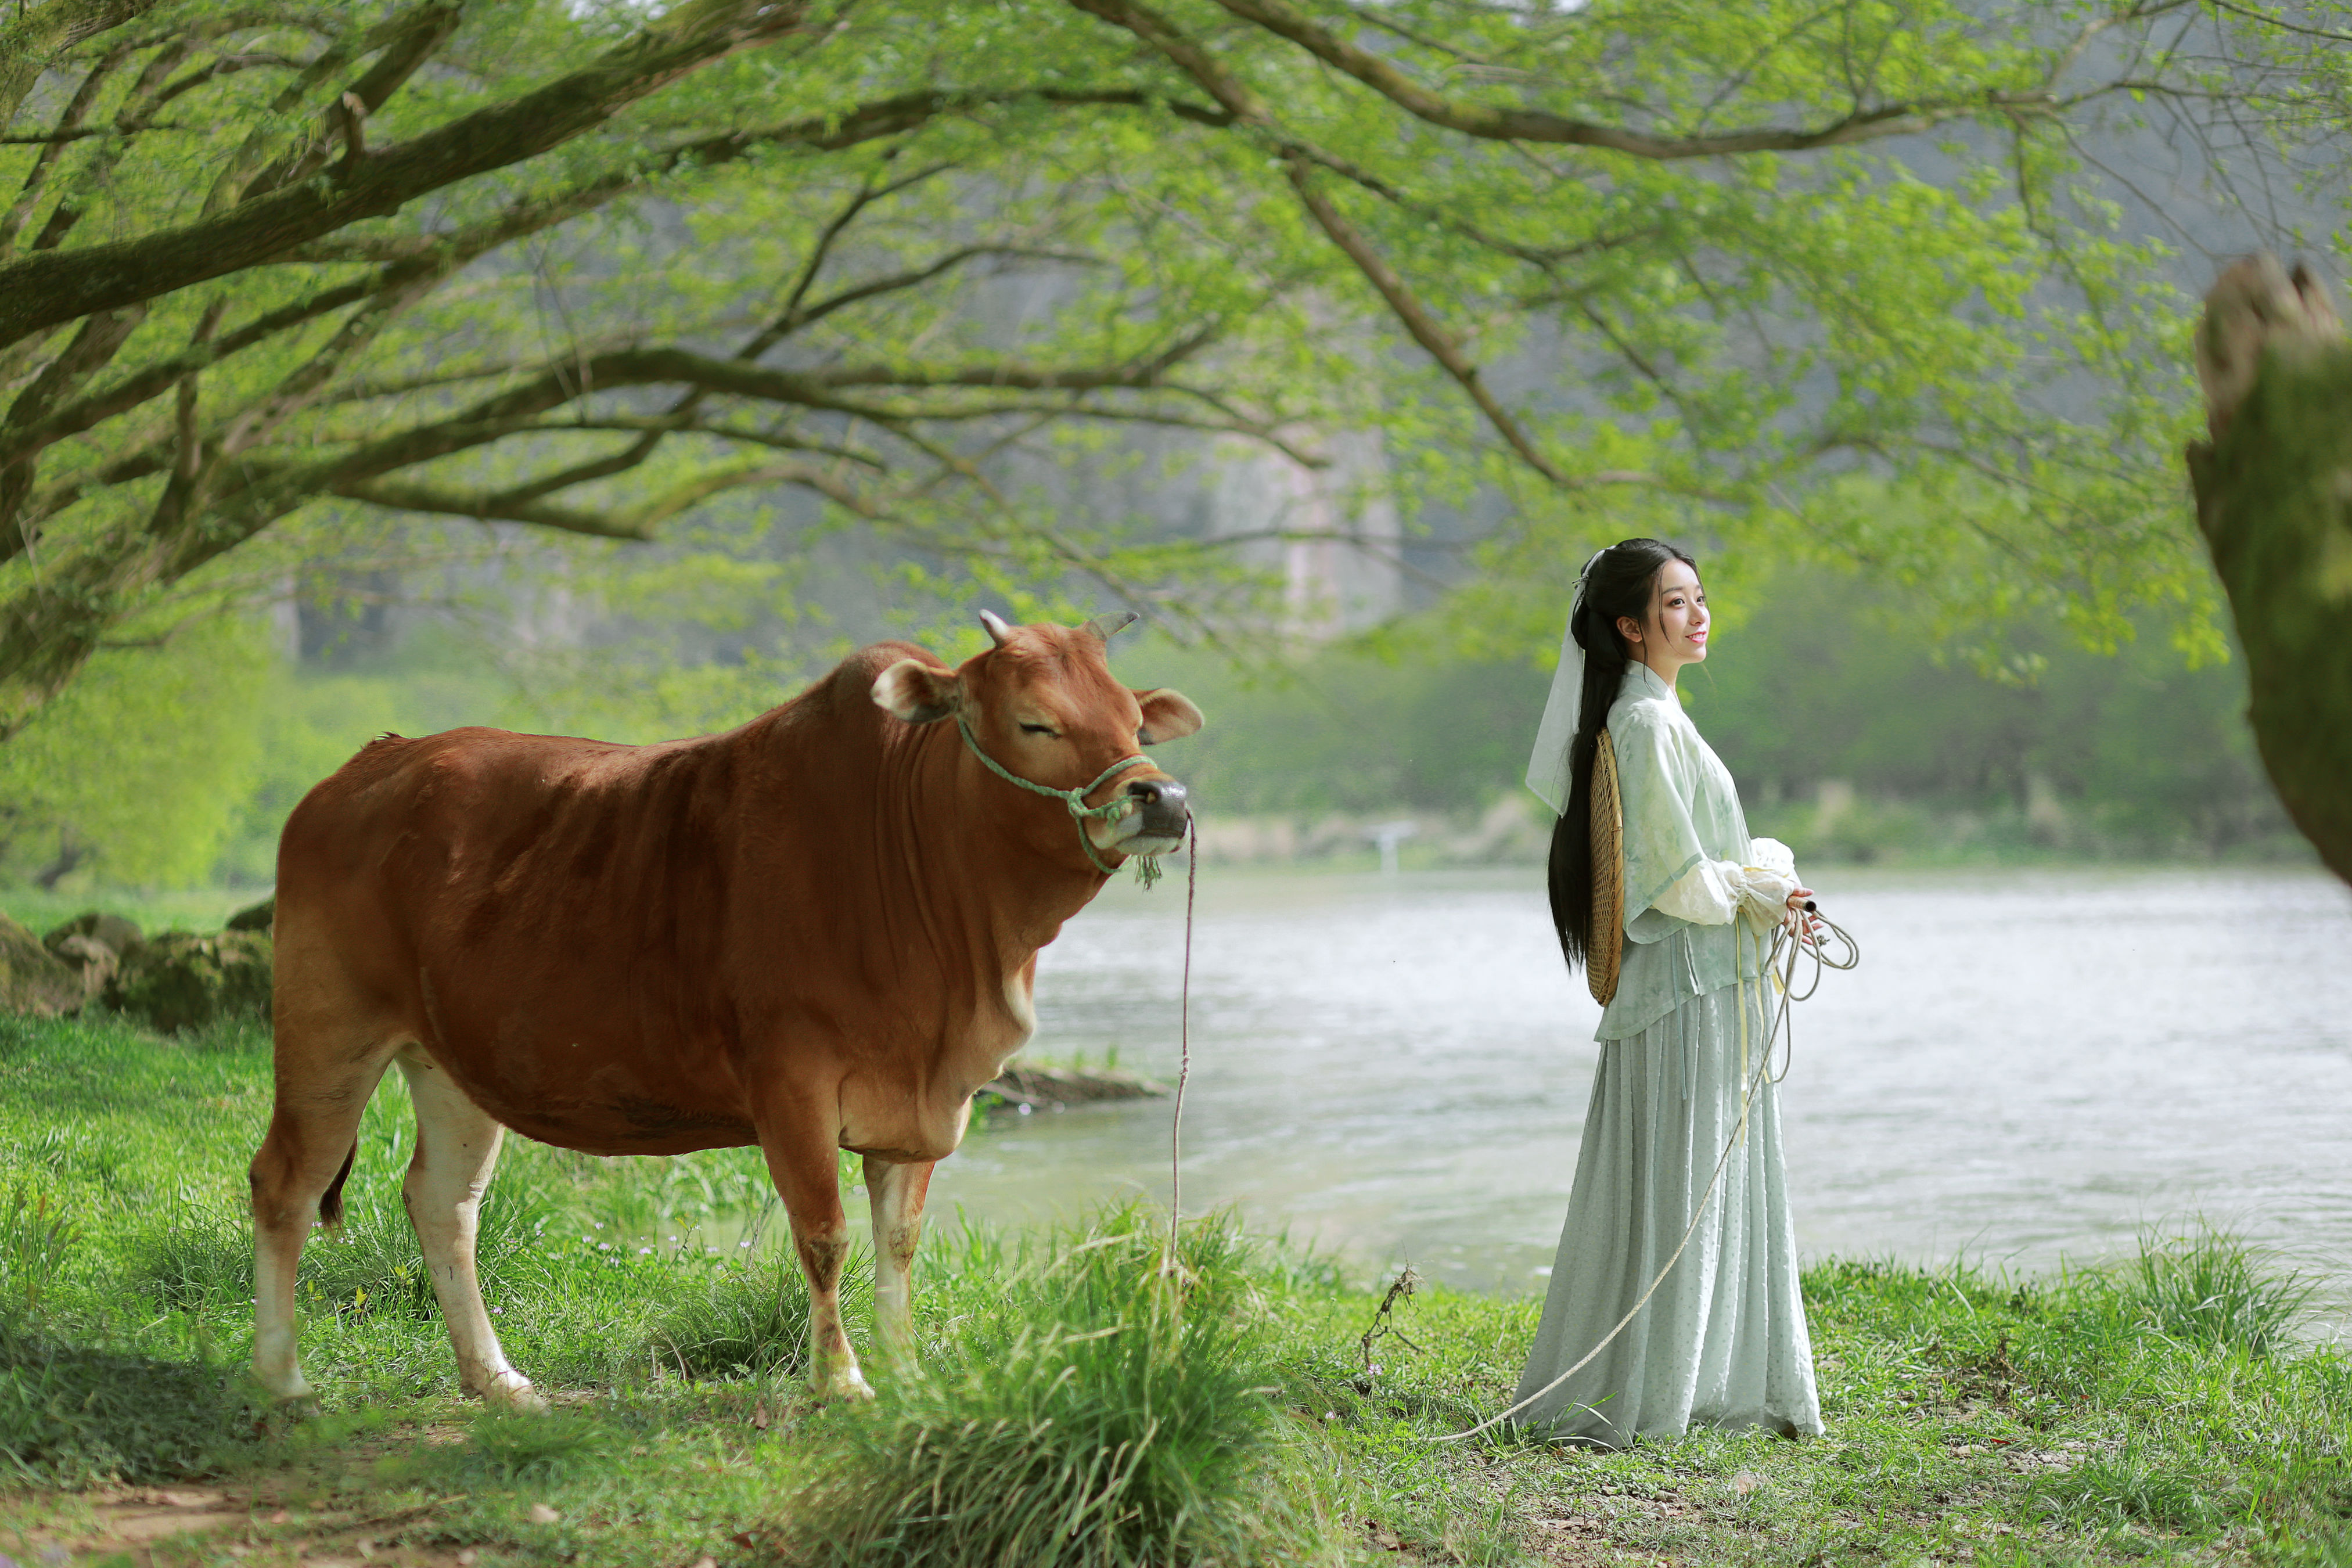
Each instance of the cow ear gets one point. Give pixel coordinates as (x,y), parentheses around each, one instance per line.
(915,691)
(1168,715)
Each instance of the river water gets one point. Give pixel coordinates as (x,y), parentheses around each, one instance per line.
(2028,1064)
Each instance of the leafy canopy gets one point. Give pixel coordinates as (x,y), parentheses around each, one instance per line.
(918,267)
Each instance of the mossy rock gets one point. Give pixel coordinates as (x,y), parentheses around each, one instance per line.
(257,917)
(182,980)
(120,936)
(1033,1084)
(33,979)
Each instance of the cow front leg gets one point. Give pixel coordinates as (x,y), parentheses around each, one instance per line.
(457,1151)
(803,1163)
(896,1192)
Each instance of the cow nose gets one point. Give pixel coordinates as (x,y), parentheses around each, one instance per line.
(1164,809)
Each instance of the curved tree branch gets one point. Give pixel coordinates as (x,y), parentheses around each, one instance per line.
(405,42)
(1509,123)
(36,37)
(1418,321)
(636,522)
(42,290)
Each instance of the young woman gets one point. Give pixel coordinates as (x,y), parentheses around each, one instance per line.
(1722,1342)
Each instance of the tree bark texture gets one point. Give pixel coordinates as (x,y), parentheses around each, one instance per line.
(2275,502)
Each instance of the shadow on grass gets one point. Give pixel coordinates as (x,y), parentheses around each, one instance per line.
(73,1415)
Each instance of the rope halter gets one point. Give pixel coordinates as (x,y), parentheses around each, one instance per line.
(1146,870)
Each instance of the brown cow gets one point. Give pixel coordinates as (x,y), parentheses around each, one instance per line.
(817,931)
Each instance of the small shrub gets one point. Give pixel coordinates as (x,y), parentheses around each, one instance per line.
(2215,1289)
(1106,1416)
(750,1319)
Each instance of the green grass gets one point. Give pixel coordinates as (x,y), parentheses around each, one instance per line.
(2212,1290)
(1069,1404)
(1107,1410)
(508,1449)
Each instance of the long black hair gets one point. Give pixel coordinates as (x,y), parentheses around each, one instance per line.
(1620,581)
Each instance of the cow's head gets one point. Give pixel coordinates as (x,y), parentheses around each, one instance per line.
(1041,704)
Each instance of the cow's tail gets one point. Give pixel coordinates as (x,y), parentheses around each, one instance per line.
(330,1202)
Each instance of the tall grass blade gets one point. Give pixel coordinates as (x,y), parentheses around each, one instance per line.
(1107,1418)
(2215,1289)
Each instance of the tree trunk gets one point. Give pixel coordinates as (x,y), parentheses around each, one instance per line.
(2275,502)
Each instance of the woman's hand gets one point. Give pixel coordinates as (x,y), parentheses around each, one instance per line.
(1802,921)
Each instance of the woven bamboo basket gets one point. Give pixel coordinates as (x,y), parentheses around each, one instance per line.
(1608,949)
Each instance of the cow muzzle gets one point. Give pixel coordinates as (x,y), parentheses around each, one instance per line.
(1159,815)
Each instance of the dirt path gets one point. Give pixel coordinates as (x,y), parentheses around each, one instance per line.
(317,1513)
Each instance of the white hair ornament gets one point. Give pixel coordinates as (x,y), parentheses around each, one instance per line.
(1548,772)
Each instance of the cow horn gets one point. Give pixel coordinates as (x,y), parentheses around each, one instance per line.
(1107,627)
(998,631)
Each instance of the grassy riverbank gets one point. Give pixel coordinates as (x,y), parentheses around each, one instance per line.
(1073,1406)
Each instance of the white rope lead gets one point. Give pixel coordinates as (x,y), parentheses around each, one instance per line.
(1183,1040)
(1807,941)
(1168,1265)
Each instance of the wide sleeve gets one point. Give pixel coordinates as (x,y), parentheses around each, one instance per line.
(1655,785)
(1706,895)
(1716,893)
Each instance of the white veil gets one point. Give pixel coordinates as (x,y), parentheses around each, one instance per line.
(1548,765)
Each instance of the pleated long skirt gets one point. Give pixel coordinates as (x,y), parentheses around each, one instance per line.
(1723,1342)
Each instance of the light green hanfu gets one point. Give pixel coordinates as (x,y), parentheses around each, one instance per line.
(1723,1341)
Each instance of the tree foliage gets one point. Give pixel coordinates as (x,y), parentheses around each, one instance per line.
(133,772)
(592,267)
(1817,687)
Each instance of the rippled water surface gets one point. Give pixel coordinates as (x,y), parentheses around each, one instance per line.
(2027,1064)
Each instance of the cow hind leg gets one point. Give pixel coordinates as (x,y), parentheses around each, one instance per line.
(897,1193)
(800,1149)
(296,1176)
(457,1151)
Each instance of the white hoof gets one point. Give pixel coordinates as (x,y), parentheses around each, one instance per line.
(846,1383)
(512,1391)
(284,1387)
